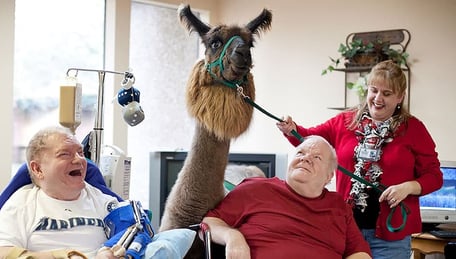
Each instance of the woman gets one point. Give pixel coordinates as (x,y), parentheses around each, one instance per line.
(383,143)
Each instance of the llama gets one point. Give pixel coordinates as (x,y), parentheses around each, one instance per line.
(221,114)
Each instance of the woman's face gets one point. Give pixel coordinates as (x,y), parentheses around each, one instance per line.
(382,101)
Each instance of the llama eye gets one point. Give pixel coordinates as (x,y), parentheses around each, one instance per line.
(216,44)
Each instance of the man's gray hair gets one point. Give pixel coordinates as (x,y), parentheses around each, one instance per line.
(39,142)
(333,159)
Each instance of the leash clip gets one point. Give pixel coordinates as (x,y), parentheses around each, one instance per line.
(240,91)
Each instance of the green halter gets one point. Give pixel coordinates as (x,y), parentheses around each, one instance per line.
(219,62)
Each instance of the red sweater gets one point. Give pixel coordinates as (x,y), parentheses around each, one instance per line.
(279,223)
(410,156)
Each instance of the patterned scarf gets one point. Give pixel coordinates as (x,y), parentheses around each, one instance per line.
(371,138)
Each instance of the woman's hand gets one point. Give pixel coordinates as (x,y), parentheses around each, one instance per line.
(397,193)
(286,125)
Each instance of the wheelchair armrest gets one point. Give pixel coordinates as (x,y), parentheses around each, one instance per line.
(204,228)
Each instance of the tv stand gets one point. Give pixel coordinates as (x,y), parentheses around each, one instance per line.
(425,243)
(426,227)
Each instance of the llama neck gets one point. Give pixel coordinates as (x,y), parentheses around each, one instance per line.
(207,157)
(199,185)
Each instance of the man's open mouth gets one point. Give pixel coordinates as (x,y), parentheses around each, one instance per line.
(76,173)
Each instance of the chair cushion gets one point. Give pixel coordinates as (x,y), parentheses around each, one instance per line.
(170,244)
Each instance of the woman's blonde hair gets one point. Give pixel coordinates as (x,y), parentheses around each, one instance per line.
(390,73)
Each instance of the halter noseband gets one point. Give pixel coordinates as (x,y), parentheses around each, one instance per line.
(219,62)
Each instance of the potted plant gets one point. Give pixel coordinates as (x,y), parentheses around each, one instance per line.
(353,53)
(400,57)
(365,54)
(359,54)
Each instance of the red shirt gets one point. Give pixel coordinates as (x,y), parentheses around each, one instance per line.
(279,223)
(410,156)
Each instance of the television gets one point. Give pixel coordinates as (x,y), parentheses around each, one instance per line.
(165,166)
(440,206)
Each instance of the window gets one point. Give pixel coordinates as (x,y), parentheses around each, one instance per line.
(50,37)
(162,54)
(70,34)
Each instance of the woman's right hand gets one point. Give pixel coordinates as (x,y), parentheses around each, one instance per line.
(286,125)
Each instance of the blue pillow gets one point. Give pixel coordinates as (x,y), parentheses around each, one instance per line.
(170,244)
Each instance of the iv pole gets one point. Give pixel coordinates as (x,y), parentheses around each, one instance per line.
(96,136)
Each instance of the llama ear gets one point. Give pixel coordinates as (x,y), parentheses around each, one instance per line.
(190,21)
(260,23)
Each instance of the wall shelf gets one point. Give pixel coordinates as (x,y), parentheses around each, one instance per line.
(399,38)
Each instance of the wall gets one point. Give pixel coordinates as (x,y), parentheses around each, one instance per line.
(6,74)
(289,59)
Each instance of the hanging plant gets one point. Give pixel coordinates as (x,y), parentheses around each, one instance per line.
(364,55)
(360,86)
(360,54)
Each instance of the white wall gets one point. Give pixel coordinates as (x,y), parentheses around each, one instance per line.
(289,59)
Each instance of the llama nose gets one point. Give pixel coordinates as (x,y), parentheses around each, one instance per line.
(241,55)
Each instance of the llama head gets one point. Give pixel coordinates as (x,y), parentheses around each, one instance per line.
(212,96)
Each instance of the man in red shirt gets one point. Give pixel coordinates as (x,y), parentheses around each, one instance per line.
(296,218)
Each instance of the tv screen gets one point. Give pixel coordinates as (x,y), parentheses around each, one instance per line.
(440,206)
(165,166)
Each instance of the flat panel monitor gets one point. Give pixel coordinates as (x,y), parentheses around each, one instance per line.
(165,166)
(440,206)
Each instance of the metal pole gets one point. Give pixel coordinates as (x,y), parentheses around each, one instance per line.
(97,133)
(96,136)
